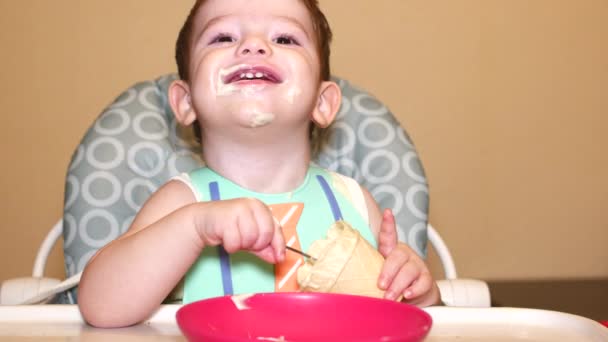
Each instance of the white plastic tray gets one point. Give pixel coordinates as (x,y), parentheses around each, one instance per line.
(62,322)
(511,324)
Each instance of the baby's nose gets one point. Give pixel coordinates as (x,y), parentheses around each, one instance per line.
(254,46)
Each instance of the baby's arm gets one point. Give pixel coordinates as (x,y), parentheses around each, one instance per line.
(130,277)
(404,272)
(127,279)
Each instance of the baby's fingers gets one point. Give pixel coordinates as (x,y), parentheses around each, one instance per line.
(270,245)
(393,263)
(278,243)
(232,240)
(267,254)
(425,291)
(387,237)
(267,228)
(404,279)
(420,286)
(275,251)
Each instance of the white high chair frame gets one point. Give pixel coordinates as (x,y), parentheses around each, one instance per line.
(41,290)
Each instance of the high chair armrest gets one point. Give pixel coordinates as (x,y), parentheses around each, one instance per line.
(18,290)
(464,293)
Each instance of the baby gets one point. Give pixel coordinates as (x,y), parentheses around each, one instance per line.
(255,83)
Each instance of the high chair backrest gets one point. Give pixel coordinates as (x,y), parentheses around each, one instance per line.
(135,146)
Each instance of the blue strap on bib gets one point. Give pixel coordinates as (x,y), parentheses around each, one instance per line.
(214,190)
(331,198)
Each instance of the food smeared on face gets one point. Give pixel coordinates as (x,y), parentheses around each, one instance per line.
(259,119)
(246,79)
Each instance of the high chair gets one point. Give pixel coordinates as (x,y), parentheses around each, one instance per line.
(135,146)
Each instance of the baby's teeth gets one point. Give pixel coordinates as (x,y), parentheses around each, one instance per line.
(249,75)
(259,75)
(243,75)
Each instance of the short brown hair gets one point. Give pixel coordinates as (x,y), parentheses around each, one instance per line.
(323,37)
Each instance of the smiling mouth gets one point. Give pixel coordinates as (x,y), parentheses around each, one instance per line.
(253,75)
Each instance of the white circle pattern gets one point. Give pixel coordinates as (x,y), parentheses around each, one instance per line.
(72,195)
(413,236)
(403,138)
(367,164)
(357,103)
(409,200)
(409,158)
(83,228)
(78,157)
(140,147)
(84,259)
(123,126)
(118,157)
(130,188)
(172,162)
(344,108)
(87,195)
(348,134)
(139,130)
(126,99)
(70,227)
(143,98)
(174,136)
(389,136)
(394,192)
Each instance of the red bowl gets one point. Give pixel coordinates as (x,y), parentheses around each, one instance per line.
(302,317)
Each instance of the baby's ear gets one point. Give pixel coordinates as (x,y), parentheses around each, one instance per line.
(181,103)
(328,104)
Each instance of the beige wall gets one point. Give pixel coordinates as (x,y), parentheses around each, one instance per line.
(507,102)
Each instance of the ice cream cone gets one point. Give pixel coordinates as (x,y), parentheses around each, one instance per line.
(345,263)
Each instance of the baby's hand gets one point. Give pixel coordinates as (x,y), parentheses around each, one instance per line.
(404,272)
(242,224)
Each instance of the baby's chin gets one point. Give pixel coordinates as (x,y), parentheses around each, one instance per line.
(260,119)
(252,115)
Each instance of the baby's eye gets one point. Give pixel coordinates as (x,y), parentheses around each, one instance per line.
(286,40)
(222,38)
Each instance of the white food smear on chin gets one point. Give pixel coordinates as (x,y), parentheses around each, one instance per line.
(259,119)
(239,301)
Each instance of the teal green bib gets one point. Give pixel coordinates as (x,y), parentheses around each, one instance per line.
(215,273)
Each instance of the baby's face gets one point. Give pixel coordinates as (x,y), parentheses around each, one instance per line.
(253,62)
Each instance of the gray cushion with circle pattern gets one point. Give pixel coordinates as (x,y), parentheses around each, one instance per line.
(135,146)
